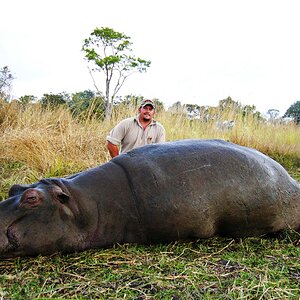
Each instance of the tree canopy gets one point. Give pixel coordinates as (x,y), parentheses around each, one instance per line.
(109,52)
(52,100)
(294,112)
(87,104)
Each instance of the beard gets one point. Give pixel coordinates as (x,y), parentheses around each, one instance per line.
(146,118)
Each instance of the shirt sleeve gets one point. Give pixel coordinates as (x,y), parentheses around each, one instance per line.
(118,133)
(161,136)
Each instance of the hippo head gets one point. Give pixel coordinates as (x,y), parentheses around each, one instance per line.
(41,218)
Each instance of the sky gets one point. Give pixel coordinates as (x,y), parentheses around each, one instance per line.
(202,51)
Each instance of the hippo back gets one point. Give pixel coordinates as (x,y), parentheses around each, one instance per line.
(199,188)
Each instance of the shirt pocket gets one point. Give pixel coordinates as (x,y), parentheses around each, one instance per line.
(149,140)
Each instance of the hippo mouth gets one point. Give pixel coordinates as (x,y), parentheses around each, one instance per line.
(12,239)
(10,244)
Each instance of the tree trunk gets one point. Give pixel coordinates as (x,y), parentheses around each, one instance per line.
(108,101)
(108,110)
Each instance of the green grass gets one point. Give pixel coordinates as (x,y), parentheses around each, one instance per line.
(249,268)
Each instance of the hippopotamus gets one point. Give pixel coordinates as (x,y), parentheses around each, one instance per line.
(181,190)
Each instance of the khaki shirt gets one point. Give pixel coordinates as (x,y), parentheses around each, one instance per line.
(130,134)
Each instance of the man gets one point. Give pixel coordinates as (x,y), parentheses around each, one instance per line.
(136,131)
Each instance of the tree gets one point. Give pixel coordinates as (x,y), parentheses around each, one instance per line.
(131,101)
(193,111)
(134,102)
(87,104)
(273,114)
(53,100)
(109,51)
(249,110)
(229,104)
(294,112)
(26,99)
(177,108)
(159,105)
(6,79)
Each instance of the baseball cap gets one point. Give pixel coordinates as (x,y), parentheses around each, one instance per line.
(147,102)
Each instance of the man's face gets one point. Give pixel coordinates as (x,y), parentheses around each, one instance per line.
(146,113)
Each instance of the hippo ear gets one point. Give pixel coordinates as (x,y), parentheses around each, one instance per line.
(67,207)
(63,197)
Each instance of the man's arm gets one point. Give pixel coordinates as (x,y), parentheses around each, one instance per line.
(113,149)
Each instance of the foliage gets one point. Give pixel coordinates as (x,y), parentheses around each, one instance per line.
(53,100)
(159,106)
(86,105)
(226,109)
(133,102)
(109,51)
(294,112)
(26,99)
(229,104)
(6,79)
(177,108)
(273,114)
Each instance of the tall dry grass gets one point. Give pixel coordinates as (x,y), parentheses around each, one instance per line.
(270,138)
(36,142)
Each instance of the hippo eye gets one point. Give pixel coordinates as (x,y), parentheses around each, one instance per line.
(30,201)
(30,198)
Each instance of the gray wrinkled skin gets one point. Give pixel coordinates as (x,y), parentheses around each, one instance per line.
(158,193)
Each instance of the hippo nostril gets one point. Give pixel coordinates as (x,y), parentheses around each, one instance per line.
(12,239)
